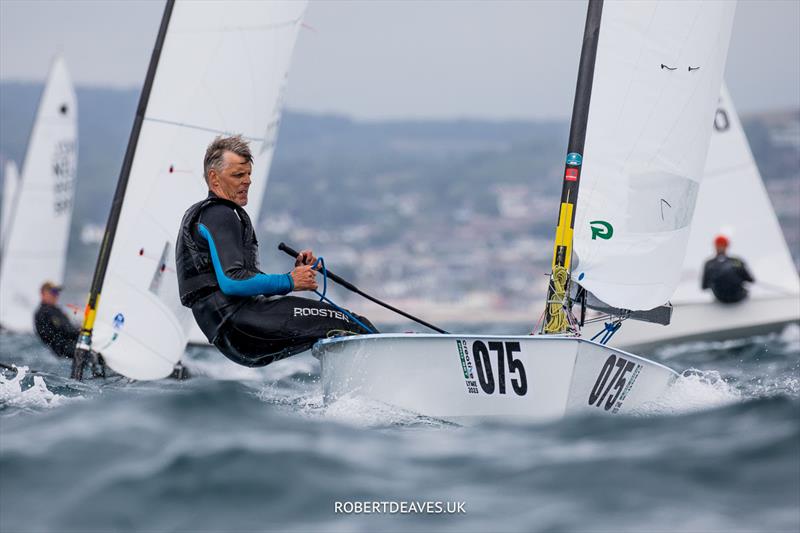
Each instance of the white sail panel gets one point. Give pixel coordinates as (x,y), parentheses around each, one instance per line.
(734,202)
(222,70)
(35,246)
(10,183)
(656,83)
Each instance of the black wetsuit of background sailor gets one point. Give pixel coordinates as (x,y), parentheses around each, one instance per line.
(726,276)
(240,309)
(55,330)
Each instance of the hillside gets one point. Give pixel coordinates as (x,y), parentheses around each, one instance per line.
(407,192)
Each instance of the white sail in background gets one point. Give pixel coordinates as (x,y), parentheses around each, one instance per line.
(10,184)
(734,202)
(35,243)
(222,70)
(657,80)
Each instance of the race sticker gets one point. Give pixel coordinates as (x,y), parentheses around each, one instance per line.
(571,174)
(466,367)
(574,159)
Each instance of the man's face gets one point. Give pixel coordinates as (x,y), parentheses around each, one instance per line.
(233,181)
(50,296)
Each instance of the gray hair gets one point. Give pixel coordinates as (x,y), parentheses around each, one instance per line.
(216,150)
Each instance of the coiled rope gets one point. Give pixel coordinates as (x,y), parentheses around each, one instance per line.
(558,322)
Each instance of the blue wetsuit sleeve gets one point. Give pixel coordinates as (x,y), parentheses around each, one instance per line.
(223,235)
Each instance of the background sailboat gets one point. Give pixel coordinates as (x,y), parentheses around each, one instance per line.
(36,228)
(217,68)
(734,202)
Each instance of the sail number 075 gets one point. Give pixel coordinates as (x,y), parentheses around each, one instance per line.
(504,352)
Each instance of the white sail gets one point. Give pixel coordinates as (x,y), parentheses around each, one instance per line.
(10,183)
(657,80)
(222,70)
(35,244)
(734,202)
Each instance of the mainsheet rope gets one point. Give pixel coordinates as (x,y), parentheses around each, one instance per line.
(322,298)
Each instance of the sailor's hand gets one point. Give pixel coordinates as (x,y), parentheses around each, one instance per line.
(304,278)
(306,257)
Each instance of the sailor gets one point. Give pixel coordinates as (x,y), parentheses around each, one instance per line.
(726,275)
(52,326)
(244,312)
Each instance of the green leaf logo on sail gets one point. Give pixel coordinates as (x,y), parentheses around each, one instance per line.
(602,229)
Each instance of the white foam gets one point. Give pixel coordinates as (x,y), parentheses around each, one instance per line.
(364,412)
(308,401)
(13,393)
(790,337)
(695,390)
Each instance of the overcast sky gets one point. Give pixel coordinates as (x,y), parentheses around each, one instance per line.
(401,59)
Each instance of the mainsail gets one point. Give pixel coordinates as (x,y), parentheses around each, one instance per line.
(734,202)
(658,74)
(218,68)
(36,227)
(10,185)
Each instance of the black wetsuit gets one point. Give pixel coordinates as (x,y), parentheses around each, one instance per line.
(726,276)
(55,330)
(241,310)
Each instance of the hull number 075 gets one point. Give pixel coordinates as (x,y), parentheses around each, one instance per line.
(507,365)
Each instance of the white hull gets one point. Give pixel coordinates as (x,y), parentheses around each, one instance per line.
(465,377)
(709,321)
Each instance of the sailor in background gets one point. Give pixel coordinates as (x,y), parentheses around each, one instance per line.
(244,312)
(726,275)
(52,326)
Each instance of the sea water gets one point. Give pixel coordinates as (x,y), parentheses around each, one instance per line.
(237,449)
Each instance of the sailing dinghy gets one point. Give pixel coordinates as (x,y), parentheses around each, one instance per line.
(36,219)
(653,72)
(732,202)
(218,68)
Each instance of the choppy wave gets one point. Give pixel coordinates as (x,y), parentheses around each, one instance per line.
(694,390)
(257,449)
(24,391)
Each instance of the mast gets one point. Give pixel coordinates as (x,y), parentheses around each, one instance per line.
(555,320)
(84,344)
